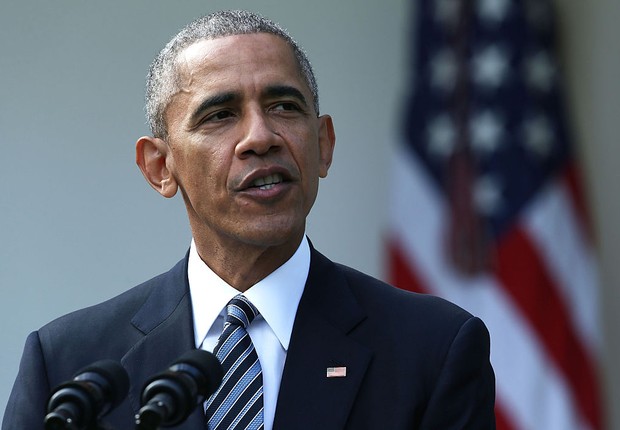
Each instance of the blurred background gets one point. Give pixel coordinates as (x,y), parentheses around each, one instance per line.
(79,224)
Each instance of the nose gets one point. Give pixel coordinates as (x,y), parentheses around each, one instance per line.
(259,136)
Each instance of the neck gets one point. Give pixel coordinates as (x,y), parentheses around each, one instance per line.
(242,266)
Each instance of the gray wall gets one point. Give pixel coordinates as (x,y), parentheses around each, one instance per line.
(591,52)
(78,222)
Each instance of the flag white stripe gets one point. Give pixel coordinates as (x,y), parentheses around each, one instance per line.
(552,225)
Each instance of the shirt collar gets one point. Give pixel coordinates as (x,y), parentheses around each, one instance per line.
(276,296)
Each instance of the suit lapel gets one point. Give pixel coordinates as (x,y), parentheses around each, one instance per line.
(165,319)
(327,312)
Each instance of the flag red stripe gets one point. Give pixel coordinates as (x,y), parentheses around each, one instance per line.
(399,273)
(524,277)
(501,420)
(402,276)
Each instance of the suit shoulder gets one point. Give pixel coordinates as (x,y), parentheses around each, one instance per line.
(110,319)
(380,297)
(116,307)
(434,323)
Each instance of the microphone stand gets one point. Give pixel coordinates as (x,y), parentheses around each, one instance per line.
(150,417)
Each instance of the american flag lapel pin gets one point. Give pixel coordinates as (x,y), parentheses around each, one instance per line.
(336,372)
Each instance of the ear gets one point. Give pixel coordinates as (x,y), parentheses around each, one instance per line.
(327,141)
(153,158)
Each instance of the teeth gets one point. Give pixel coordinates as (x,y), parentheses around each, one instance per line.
(267,182)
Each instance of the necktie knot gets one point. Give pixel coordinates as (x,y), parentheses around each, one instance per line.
(240,311)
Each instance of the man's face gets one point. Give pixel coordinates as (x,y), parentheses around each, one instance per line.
(244,142)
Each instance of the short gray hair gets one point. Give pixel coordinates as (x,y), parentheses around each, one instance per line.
(162,80)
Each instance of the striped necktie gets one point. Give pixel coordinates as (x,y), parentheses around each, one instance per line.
(238,402)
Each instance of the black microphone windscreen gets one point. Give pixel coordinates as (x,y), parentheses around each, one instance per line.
(93,392)
(115,375)
(208,365)
(169,397)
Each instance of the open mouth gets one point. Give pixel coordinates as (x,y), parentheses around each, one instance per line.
(267,182)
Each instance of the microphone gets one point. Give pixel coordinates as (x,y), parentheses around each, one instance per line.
(93,392)
(170,396)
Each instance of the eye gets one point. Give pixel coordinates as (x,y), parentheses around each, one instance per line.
(218,116)
(285,107)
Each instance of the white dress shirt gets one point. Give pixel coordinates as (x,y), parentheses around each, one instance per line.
(276,297)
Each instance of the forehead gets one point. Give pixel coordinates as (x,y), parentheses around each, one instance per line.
(230,58)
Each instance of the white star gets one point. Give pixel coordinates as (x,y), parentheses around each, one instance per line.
(538,136)
(486,132)
(447,12)
(540,72)
(490,67)
(493,11)
(441,134)
(444,70)
(487,195)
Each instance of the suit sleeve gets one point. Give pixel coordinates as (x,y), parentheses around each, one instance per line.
(464,396)
(27,403)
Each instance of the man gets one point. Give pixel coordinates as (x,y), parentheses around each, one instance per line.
(233,107)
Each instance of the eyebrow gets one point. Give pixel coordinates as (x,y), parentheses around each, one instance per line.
(210,102)
(285,91)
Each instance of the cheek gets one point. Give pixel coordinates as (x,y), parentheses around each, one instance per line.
(312,162)
(201,169)
(308,162)
(305,148)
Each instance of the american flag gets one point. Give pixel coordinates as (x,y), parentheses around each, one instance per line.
(486,208)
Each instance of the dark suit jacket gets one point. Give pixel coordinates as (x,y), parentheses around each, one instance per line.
(412,361)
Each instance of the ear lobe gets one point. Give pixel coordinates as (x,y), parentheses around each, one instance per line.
(152,158)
